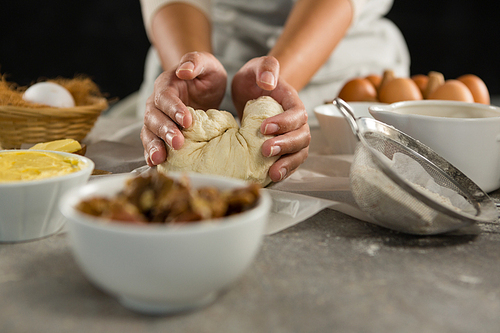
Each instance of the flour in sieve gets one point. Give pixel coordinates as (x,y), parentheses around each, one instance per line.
(392,206)
(375,192)
(409,169)
(437,197)
(373,180)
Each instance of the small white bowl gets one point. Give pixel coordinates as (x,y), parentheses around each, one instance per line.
(335,128)
(29,209)
(465,134)
(159,269)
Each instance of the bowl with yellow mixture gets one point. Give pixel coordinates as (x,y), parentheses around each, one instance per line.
(31,184)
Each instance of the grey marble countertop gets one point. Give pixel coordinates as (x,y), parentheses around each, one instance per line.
(330,273)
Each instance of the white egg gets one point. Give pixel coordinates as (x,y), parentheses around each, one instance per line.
(49,93)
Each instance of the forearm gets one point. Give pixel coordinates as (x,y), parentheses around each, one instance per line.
(311,33)
(177,29)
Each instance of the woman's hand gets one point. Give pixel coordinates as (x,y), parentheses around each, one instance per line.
(199,81)
(260,77)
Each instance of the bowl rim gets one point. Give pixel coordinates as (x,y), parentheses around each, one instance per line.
(391,109)
(443,102)
(73,216)
(87,167)
(321,109)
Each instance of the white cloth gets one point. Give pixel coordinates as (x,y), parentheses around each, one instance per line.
(246,29)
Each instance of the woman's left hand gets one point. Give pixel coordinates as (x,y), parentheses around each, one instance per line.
(260,77)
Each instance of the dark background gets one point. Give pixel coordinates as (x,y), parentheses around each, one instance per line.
(105,39)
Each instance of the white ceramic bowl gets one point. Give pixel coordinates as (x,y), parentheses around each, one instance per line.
(336,130)
(29,209)
(159,269)
(465,134)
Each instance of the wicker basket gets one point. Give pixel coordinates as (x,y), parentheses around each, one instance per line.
(20,125)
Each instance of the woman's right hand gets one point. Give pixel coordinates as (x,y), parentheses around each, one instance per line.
(199,81)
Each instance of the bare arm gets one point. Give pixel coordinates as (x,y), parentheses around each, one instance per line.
(177,29)
(311,33)
(192,76)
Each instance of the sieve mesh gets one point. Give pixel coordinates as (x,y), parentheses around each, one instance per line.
(398,204)
(391,205)
(389,147)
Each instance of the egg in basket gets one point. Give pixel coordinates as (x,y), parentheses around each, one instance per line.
(51,110)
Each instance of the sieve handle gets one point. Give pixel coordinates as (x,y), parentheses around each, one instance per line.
(348,114)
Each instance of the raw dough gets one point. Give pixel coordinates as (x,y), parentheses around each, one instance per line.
(215,144)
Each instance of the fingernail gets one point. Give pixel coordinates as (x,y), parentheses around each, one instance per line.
(267,78)
(282,173)
(275,150)
(179,116)
(187,66)
(271,128)
(153,155)
(169,137)
(147,158)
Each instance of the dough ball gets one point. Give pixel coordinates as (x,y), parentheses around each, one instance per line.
(215,144)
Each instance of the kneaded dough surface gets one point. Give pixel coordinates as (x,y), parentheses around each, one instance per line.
(215,144)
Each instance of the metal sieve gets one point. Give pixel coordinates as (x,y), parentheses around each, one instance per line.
(399,204)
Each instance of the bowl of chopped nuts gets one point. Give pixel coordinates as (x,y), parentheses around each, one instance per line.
(163,244)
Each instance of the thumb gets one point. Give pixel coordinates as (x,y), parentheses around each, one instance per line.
(267,72)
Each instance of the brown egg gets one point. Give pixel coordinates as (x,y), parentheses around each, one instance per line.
(421,80)
(435,81)
(477,87)
(358,89)
(374,79)
(399,89)
(453,90)
(387,77)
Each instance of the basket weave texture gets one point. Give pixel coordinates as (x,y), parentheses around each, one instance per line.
(20,125)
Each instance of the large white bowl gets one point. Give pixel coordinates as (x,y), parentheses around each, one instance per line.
(465,134)
(29,209)
(335,128)
(164,268)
